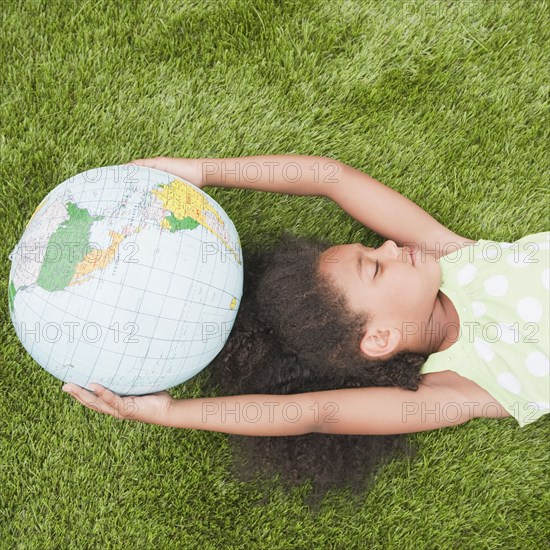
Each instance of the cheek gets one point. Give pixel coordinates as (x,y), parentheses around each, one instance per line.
(416,286)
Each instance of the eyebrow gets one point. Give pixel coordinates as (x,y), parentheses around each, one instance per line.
(359,265)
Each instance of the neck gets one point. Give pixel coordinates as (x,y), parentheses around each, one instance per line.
(442,330)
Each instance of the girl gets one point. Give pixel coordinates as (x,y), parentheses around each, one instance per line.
(338,351)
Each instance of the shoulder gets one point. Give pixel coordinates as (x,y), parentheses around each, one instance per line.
(462,390)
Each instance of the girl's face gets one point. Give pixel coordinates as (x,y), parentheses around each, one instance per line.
(400,298)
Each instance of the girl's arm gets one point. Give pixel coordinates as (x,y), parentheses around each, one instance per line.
(353,411)
(370,202)
(391,214)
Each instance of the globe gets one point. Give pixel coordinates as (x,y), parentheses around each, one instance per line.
(126,276)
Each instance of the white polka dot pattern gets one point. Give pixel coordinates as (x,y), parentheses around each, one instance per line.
(537,364)
(496,286)
(501,292)
(509,382)
(479,308)
(466,274)
(484,350)
(529,309)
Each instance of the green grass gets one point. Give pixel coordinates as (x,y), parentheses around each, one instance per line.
(444,101)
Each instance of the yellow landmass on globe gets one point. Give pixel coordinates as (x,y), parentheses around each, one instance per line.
(183,200)
(233,303)
(98,258)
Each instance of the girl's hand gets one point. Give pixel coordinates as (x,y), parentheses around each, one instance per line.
(151,409)
(187,169)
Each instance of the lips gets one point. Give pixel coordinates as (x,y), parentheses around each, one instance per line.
(412,253)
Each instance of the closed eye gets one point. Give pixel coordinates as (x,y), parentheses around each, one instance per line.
(377,268)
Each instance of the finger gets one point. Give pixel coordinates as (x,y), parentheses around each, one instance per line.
(76,398)
(107,396)
(86,398)
(94,405)
(121,407)
(77,392)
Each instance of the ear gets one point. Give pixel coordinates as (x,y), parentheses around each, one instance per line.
(376,344)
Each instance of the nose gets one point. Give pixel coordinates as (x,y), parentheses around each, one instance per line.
(390,248)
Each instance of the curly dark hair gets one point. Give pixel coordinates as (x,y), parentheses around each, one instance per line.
(294,333)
